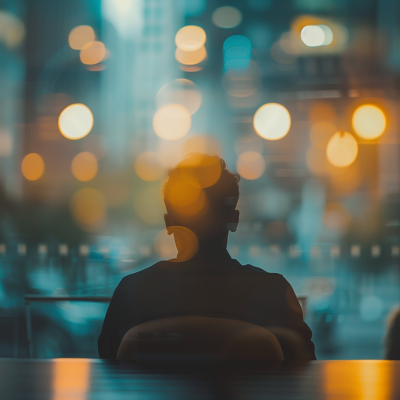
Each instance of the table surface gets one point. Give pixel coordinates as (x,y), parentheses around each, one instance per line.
(62,379)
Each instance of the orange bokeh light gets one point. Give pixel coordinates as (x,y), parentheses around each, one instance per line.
(32,166)
(342,149)
(190,57)
(190,38)
(251,165)
(84,166)
(93,53)
(148,167)
(88,206)
(369,121)
(81,36)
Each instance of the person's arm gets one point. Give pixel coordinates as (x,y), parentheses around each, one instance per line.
(108,342)
(293,333)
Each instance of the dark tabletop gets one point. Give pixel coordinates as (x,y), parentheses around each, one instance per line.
(63,379)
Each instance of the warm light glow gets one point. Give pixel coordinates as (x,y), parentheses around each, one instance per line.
(369,121)
(81,36)
(88,206)
(180,91)
(191,57)
(320,134)
(93,53)
(32,166)
(71,379)
(200,170)
(75,121)
(6,143)
(164,245)
(205,144)
(190,38)
(84,166)
(342,149)
(272,121)
(12,30)
(147,166)
(336,217)
(313,35)
(149,205)
(250,165)
(96,144)
(316,161)
(227,17)
(172,122)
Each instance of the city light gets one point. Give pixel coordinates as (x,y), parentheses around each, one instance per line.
(81,36)
(147,166)
(226,17)
(190,38)
(172,122)
(272,121)
(93,53)
(369,121)
(88,207)
(191,57)
(251,165)
(84,166)
(32,166)
(313,36)
(342,149)
(75,121)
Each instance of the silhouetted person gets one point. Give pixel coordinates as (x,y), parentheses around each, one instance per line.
(392,340)
(200,196)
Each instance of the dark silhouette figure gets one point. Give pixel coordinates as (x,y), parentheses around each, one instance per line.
(200,196)
(392,340)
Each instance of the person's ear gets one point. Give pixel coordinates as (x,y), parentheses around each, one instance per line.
(168,223)
(233,221)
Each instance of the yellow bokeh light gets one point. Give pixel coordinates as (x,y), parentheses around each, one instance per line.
(81,36)
(148,167)
(313,35)
(93,53)
(369,121)
(75,121)
(342,149)
(190,38)
(191,57)
(272,121)
(180,91)
(172,122)
(84,166)
(88,206)
(205,144)
(251,165)
(32,166)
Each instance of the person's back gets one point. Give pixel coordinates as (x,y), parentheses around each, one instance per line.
(204,280)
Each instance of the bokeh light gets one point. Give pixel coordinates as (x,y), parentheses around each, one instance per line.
(321,132)
(148,167)
(149,205)
(191,57)
(6,143)
(81,36)
(200,170)
(32,166)
(242,83)
(186,242)
(12,30)
(172,122)
(190,38)
(237,52)
(75,121)
(205,144)
(369,121)
(342,149)
(88,207)
(164,245)
(93,53)
(272,121)
(84,166)
(313,36)
(226,17)
(180,91)
(251,165)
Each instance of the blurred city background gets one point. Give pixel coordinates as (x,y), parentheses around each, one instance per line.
(99,98)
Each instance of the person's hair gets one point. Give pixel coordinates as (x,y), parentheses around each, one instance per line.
(392,340)
(211,180)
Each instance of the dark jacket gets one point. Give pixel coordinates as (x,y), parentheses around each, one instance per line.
(218,286)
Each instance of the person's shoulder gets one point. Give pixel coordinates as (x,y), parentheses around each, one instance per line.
(261,273)
(138,275)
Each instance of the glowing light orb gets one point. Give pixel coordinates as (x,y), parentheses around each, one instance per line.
(81,36)
(191,57)
(172,122)
(84,166)
(342,149)
(93,53)
(75,121)
(205,144)
(313,36)
(190,38)
(272,121)
(180,91)
(88,206)
(226,17)
(251,165)
(32,166)
(369,121)
(148,167)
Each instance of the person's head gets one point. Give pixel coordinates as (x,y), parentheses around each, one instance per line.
(392,340)
(201,195)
